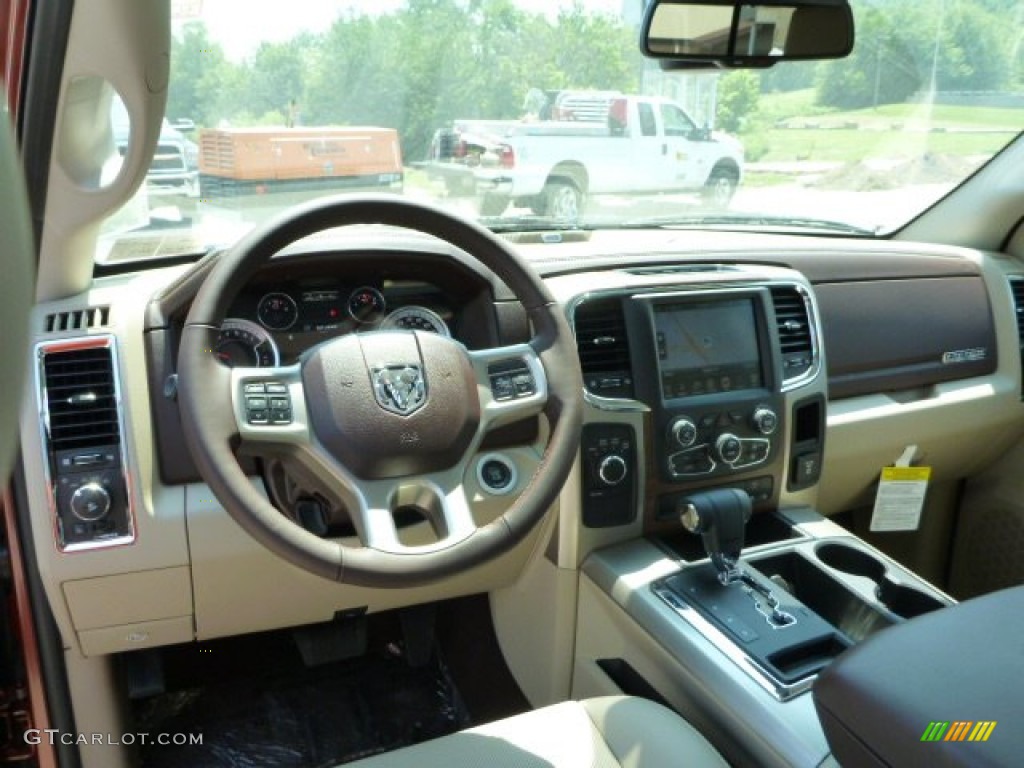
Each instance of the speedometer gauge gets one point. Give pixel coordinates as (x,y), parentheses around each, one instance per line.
(241,343)
(413,318)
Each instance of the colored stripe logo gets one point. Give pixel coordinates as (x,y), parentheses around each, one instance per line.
(958,730)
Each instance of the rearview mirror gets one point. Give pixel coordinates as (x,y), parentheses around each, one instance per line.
(740,34)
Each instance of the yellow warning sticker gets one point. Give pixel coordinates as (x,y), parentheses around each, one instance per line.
(906,474)
(900,498)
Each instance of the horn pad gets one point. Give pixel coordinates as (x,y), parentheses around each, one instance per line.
(392,403)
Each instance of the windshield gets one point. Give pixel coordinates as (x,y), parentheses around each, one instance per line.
(538,113)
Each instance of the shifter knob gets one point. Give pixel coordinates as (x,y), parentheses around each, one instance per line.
(720,517)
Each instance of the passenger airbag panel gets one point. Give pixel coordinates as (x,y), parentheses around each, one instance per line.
(887,335)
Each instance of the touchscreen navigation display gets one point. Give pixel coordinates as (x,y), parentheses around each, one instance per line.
(707,347)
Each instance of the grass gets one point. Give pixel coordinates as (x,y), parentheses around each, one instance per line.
(847,145)
(790,127)
(944,115)
(766,179)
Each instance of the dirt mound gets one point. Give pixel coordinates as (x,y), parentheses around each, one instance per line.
(929,168)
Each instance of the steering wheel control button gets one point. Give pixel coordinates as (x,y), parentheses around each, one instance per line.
(90,502)
(260,408)
(267,403)
(511,379)
(503,387)
(497,474)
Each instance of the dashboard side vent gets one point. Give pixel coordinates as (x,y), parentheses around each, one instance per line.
(78,319)
(81,401)
(796,335)
(1017,291)
(603,347)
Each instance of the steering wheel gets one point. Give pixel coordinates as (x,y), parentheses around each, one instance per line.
(377,419)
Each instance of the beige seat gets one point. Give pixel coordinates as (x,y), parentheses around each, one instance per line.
(607,732)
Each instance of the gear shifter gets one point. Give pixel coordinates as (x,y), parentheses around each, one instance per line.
(720,517)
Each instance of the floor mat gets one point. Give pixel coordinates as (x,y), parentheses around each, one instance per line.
(304,717)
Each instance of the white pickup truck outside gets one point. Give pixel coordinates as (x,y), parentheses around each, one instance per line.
(642,146)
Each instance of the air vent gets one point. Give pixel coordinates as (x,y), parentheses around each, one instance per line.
(78,319)
(681,269)
(604,348)
(1017,291)
(795,337)
(80,398)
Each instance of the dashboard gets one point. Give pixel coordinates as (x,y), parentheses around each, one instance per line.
(792,367)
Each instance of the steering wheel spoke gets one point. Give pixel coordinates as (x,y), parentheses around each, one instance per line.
(438,500)
(511,383)
(269,406)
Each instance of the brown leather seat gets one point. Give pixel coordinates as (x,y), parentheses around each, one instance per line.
(606,732)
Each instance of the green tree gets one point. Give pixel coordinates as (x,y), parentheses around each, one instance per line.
(383,69)
(914,45)
(594,50)
(193,56)
(277,74)
(204,86)
(738,95)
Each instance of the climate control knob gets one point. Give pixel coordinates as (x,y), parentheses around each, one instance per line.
(684,432)
(728,448)
(612,470)
(765,420)
(90,502)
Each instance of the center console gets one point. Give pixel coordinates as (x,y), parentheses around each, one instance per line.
(706,429)
(716,368)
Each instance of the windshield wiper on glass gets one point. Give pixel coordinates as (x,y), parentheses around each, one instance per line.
(745,220)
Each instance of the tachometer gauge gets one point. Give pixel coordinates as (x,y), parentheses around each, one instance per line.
(366,305)
(241,343)
(413,318)
(277,311)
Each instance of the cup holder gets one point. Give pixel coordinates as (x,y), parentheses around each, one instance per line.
(851,560)
(906,601)
(902,599)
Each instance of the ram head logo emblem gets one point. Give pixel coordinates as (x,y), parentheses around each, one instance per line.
(399,388)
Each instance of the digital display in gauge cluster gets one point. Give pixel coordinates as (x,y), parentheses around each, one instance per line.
(322,310)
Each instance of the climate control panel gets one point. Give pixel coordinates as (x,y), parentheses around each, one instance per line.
(714,441)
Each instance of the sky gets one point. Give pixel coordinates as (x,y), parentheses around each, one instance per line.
(240,27)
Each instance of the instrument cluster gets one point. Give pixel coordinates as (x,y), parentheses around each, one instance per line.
(271,327)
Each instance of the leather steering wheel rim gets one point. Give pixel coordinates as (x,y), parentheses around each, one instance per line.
(211,427)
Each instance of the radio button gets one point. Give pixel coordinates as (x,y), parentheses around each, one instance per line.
(765,420)
(684,432)
(90,502)
(728,448)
